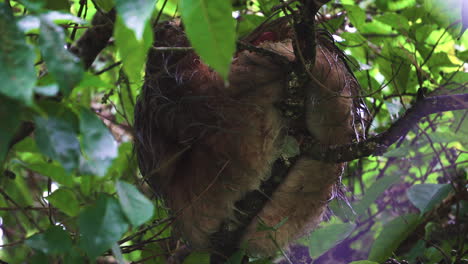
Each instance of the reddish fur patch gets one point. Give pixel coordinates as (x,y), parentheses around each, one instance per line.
(266,36)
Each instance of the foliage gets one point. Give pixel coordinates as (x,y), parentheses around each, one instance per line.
(70,191)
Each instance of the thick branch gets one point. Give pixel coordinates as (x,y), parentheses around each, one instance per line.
(95,39)
(377,145)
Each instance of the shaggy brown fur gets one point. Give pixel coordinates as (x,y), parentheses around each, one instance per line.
(203,145)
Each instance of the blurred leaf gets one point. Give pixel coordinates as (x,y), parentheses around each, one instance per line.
(464,16)
(426,196)
(266,6)
(247,23)
(210,28)
(136,207)
(446,137)
(290,147)
(125,163)
(54,240)
(57,136)
(392,235)
(94,81)
(237,257)
(47,90)
(65,200)
(105,5)
(132,51)
(342,209)
(10,113)
(135,15)
(363,262)
(394,20)
(197,258)
(99,145)
(16,59)
(57,4)
(373,192)
(356,15)
(64,66)
(53,171)
(323,239)
(101,225)
(398,152)
(32,22)
(117,252)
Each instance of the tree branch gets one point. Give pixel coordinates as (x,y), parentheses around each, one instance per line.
(95,39)
(377,145)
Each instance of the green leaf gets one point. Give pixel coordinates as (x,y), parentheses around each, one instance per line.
(363,262)
(394,20)
(290,147)
(101,225)
(373,192)
(248,23)
(104,5)
(392,235)
(427,196)
(136,207)
(65,200)
(99,145)
(10,115)
(132,51)
(211,30)
(32,22)
(356,15)
(135,14)
(342,209)
(16,59)
(57,136)
(58,4)
(236,258)
(197,258)
(64,66)
(323,239)
(117,252)
(53,241)
(52,170)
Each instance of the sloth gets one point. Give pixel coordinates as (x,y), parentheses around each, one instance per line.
(205,144)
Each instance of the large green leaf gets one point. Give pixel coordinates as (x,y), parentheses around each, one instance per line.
(54,240)
(356,15)
(32,22)
(395,20)
(374,192)
(64,66)
(57,135)
(211,30)
(99,145)
(426,196)
(325,238)
(104,5)
(135,14)
(197,258)
(10,116)
(137,208)
(52,170)
(392,235)
(101,225)
(132,51)
(65,200)
(17,72)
